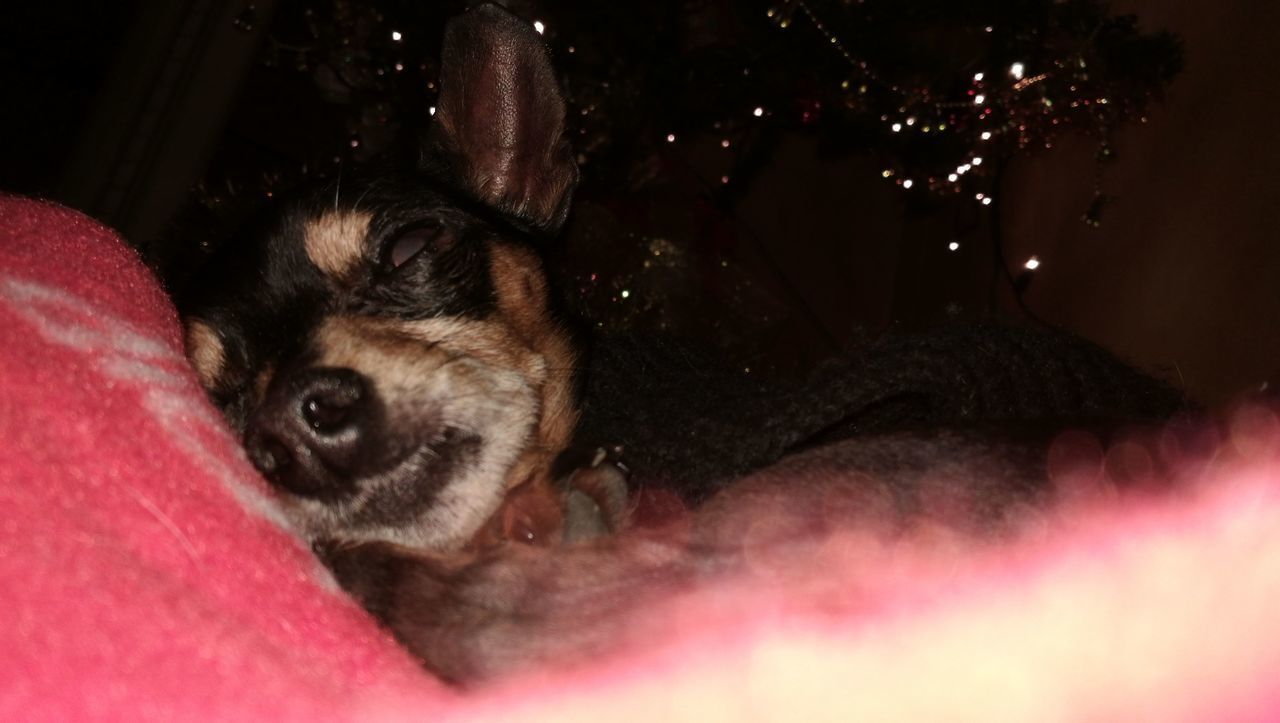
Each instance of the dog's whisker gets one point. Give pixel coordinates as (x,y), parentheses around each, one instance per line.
(337,189)
(355,207)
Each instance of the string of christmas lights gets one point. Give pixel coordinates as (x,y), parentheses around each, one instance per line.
(1005,110)
(1007,107)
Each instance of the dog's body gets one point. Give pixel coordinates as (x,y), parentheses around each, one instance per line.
(386,346)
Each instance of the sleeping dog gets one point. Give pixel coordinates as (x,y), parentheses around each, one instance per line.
(386,346)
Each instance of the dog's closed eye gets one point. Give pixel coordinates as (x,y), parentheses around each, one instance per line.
(407,245)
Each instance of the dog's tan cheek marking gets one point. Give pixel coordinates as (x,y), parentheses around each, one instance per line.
(521,289)
(377,349)
(559,408)
(335,241)
(206,352)
(545,364)
(489,341)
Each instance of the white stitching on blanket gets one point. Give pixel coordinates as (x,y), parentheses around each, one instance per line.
(125,354)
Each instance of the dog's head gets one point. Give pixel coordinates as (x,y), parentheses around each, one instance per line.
(385,345)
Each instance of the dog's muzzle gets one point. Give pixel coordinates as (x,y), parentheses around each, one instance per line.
(315,430)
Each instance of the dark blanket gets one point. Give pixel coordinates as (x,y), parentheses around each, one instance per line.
(692,422)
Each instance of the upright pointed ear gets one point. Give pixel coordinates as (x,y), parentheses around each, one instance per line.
(499,122)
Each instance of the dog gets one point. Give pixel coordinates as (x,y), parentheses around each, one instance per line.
(388,348)
(386,345)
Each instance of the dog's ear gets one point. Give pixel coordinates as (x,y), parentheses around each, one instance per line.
(499,123)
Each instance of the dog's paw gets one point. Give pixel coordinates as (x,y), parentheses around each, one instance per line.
(596,493)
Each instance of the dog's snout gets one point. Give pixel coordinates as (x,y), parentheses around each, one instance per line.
(308,435)
(332,407)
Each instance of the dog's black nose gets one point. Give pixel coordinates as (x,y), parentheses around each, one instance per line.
(309,433)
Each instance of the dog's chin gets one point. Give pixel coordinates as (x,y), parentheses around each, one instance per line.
(435,497)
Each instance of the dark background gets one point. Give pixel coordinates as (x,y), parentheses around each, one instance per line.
(122,108)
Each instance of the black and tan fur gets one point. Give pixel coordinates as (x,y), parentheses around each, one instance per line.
(385,343)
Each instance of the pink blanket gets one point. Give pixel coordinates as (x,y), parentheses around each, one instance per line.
(145,575)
